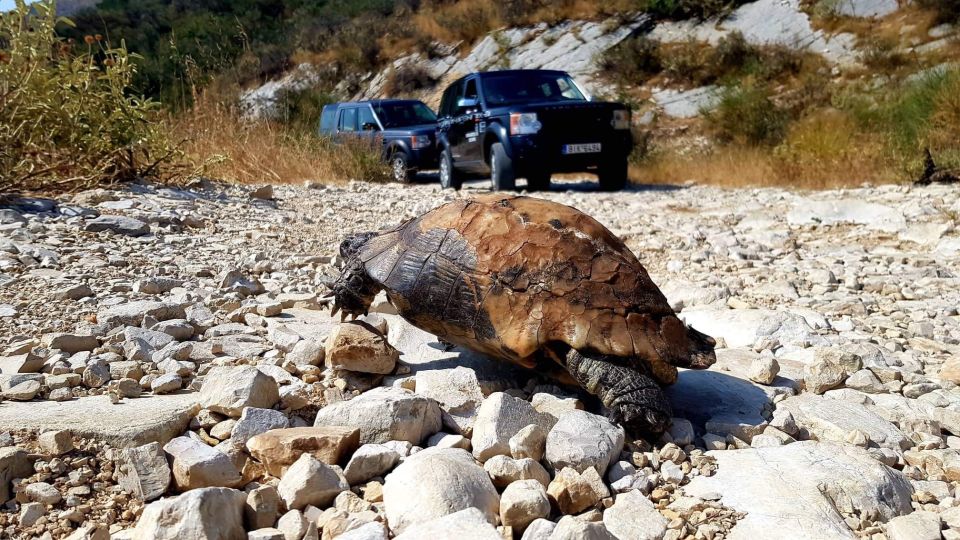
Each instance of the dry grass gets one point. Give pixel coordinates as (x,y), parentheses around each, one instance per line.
(469,20)
(466,20)
(230,149)
(744,166)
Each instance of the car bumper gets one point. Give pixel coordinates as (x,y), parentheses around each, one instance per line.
(543,153)
(424,158)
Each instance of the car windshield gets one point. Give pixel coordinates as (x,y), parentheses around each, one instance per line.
(511,88)
(396,115)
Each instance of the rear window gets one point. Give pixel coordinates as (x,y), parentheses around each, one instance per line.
(328,119)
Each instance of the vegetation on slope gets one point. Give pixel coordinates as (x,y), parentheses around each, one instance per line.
(67,117)
(782,117)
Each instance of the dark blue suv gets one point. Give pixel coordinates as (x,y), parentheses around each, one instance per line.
(408,129)
(531,124)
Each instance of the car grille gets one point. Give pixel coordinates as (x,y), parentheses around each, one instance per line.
(564,124)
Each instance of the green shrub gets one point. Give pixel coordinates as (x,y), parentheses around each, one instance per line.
(632,61)
(300,109)
(925,114)
(67,119)
(746,115)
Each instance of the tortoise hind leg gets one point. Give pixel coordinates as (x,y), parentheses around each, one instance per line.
(633,398)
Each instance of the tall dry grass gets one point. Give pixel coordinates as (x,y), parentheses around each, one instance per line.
(227,147)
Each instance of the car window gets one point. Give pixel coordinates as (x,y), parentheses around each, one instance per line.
(471,91)
(366,117)
(531,86)
(403,114)
(328,118)
(449,105)
(348,119)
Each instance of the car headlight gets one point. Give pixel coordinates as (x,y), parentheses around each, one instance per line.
(621,119)
(524,124)
(418,142)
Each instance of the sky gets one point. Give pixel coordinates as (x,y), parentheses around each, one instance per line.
(6,5)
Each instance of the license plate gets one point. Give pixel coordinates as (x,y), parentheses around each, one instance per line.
(587,148)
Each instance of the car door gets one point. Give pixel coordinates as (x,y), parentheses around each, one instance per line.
(448,126)
(470,117)
(347,122)
(369,128)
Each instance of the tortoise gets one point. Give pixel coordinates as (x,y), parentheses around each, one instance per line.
(535,283)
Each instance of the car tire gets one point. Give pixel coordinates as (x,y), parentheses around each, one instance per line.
(538,182)
(400,167)
(501,169)
(613,176)
(449,177)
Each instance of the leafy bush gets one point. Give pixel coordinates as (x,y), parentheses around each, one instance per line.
(300,109)
(925,114)
(746,115)
(632,61)
(67,119)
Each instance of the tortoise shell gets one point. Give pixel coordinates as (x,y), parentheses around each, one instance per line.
(509,275)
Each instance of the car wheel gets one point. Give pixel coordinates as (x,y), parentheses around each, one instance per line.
(538,182)
(399,168)
(449,178)
(613,176)
(501,169)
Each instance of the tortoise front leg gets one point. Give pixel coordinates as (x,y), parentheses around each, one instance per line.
(633,398)
(352,292)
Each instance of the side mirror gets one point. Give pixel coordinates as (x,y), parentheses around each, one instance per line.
(467,103)
(369,126)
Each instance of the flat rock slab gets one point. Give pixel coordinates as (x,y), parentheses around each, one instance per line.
(688,103)
(722,403)
(799,490)
(133,422)
(872,215)
(743,327)
(308,323)
(833,419)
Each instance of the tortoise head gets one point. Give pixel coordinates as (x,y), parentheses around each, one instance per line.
(683,346)
(351,245)
(354,290)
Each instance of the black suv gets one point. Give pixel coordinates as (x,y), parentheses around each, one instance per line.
(408,129)
(531,124)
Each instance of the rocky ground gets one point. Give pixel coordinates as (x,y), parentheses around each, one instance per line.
(167,373)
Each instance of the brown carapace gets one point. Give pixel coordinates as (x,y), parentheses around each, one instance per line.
(536,283)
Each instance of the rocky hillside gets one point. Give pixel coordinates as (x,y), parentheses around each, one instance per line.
(579,46)
(167,371)
(773,92)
